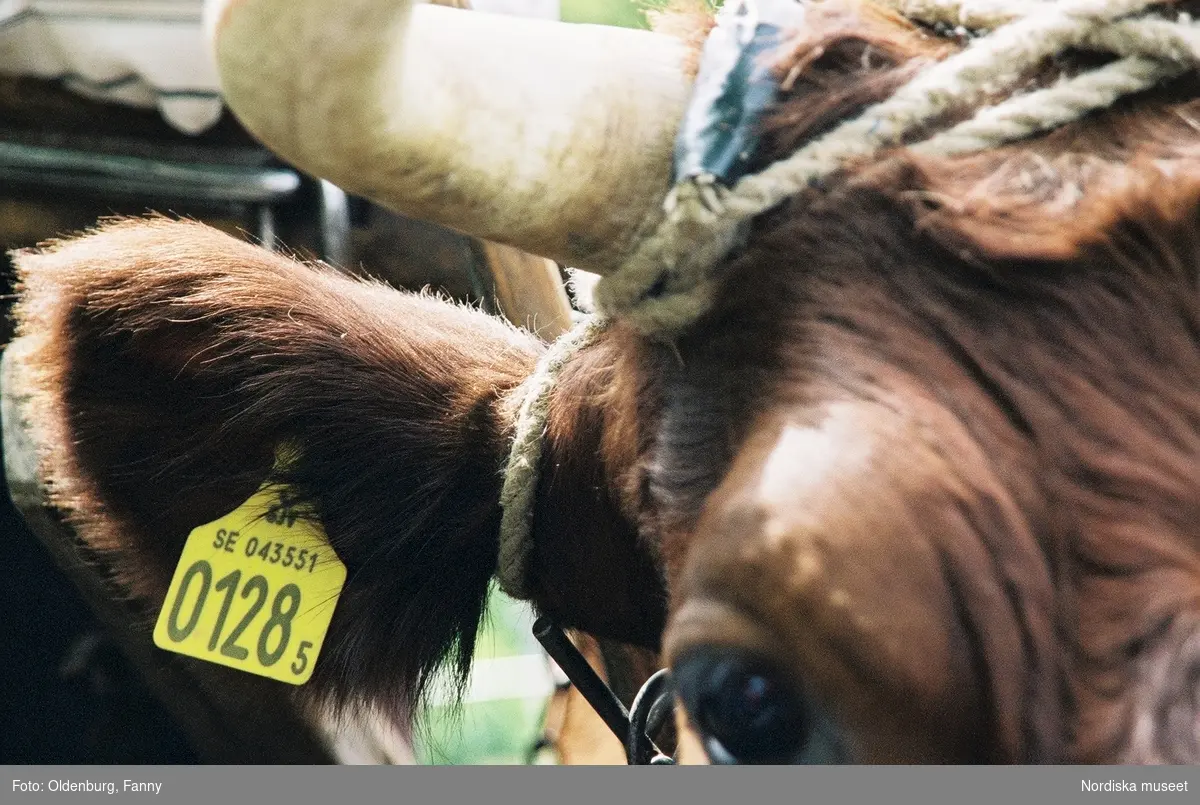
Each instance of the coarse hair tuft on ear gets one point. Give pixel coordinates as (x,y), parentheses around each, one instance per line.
(170,360)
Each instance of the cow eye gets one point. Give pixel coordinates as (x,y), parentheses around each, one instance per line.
(743,710)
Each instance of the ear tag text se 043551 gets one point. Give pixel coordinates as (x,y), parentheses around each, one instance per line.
(254,590)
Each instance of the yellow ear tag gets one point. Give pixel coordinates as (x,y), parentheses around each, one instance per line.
(254,590)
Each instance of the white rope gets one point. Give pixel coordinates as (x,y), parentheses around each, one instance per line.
(1049,108)
(668,281)
(521,472)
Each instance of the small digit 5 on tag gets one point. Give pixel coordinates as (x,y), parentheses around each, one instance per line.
(254,590)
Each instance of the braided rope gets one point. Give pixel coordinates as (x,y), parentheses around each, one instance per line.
(669,280)
(1049,108)
(525,454)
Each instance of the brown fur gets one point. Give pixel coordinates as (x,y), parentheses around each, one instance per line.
(1064,392)
(594,557)
(992,556)
(1036,307)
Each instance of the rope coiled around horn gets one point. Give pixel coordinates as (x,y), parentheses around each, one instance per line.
(669,279)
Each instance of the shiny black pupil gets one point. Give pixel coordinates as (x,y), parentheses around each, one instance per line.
(739,704)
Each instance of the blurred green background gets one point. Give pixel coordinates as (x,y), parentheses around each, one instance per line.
(494,730)
(605,12)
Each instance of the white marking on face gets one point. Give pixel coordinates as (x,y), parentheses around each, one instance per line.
(805,456)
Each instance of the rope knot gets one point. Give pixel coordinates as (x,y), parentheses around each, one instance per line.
(666,283)
(695,196)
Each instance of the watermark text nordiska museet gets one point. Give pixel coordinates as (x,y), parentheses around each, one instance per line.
(1108,786)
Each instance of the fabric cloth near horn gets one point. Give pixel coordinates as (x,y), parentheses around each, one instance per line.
(720,130)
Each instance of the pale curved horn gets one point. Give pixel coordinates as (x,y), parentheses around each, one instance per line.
(552,137)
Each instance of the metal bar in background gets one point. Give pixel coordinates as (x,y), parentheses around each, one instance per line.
(108,173)
(583,676)
(335,225)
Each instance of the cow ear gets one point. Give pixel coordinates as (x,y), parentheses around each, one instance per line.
(167,361)
(137,434)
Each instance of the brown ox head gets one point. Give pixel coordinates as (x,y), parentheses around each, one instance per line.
(922,486)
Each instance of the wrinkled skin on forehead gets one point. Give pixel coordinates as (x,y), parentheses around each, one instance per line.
(920,488)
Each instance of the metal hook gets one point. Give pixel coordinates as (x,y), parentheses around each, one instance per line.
(652,706)
(606,704)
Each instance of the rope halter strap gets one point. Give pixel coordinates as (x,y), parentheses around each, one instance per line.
(524,457)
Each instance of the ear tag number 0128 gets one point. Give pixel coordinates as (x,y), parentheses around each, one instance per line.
(254,590)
